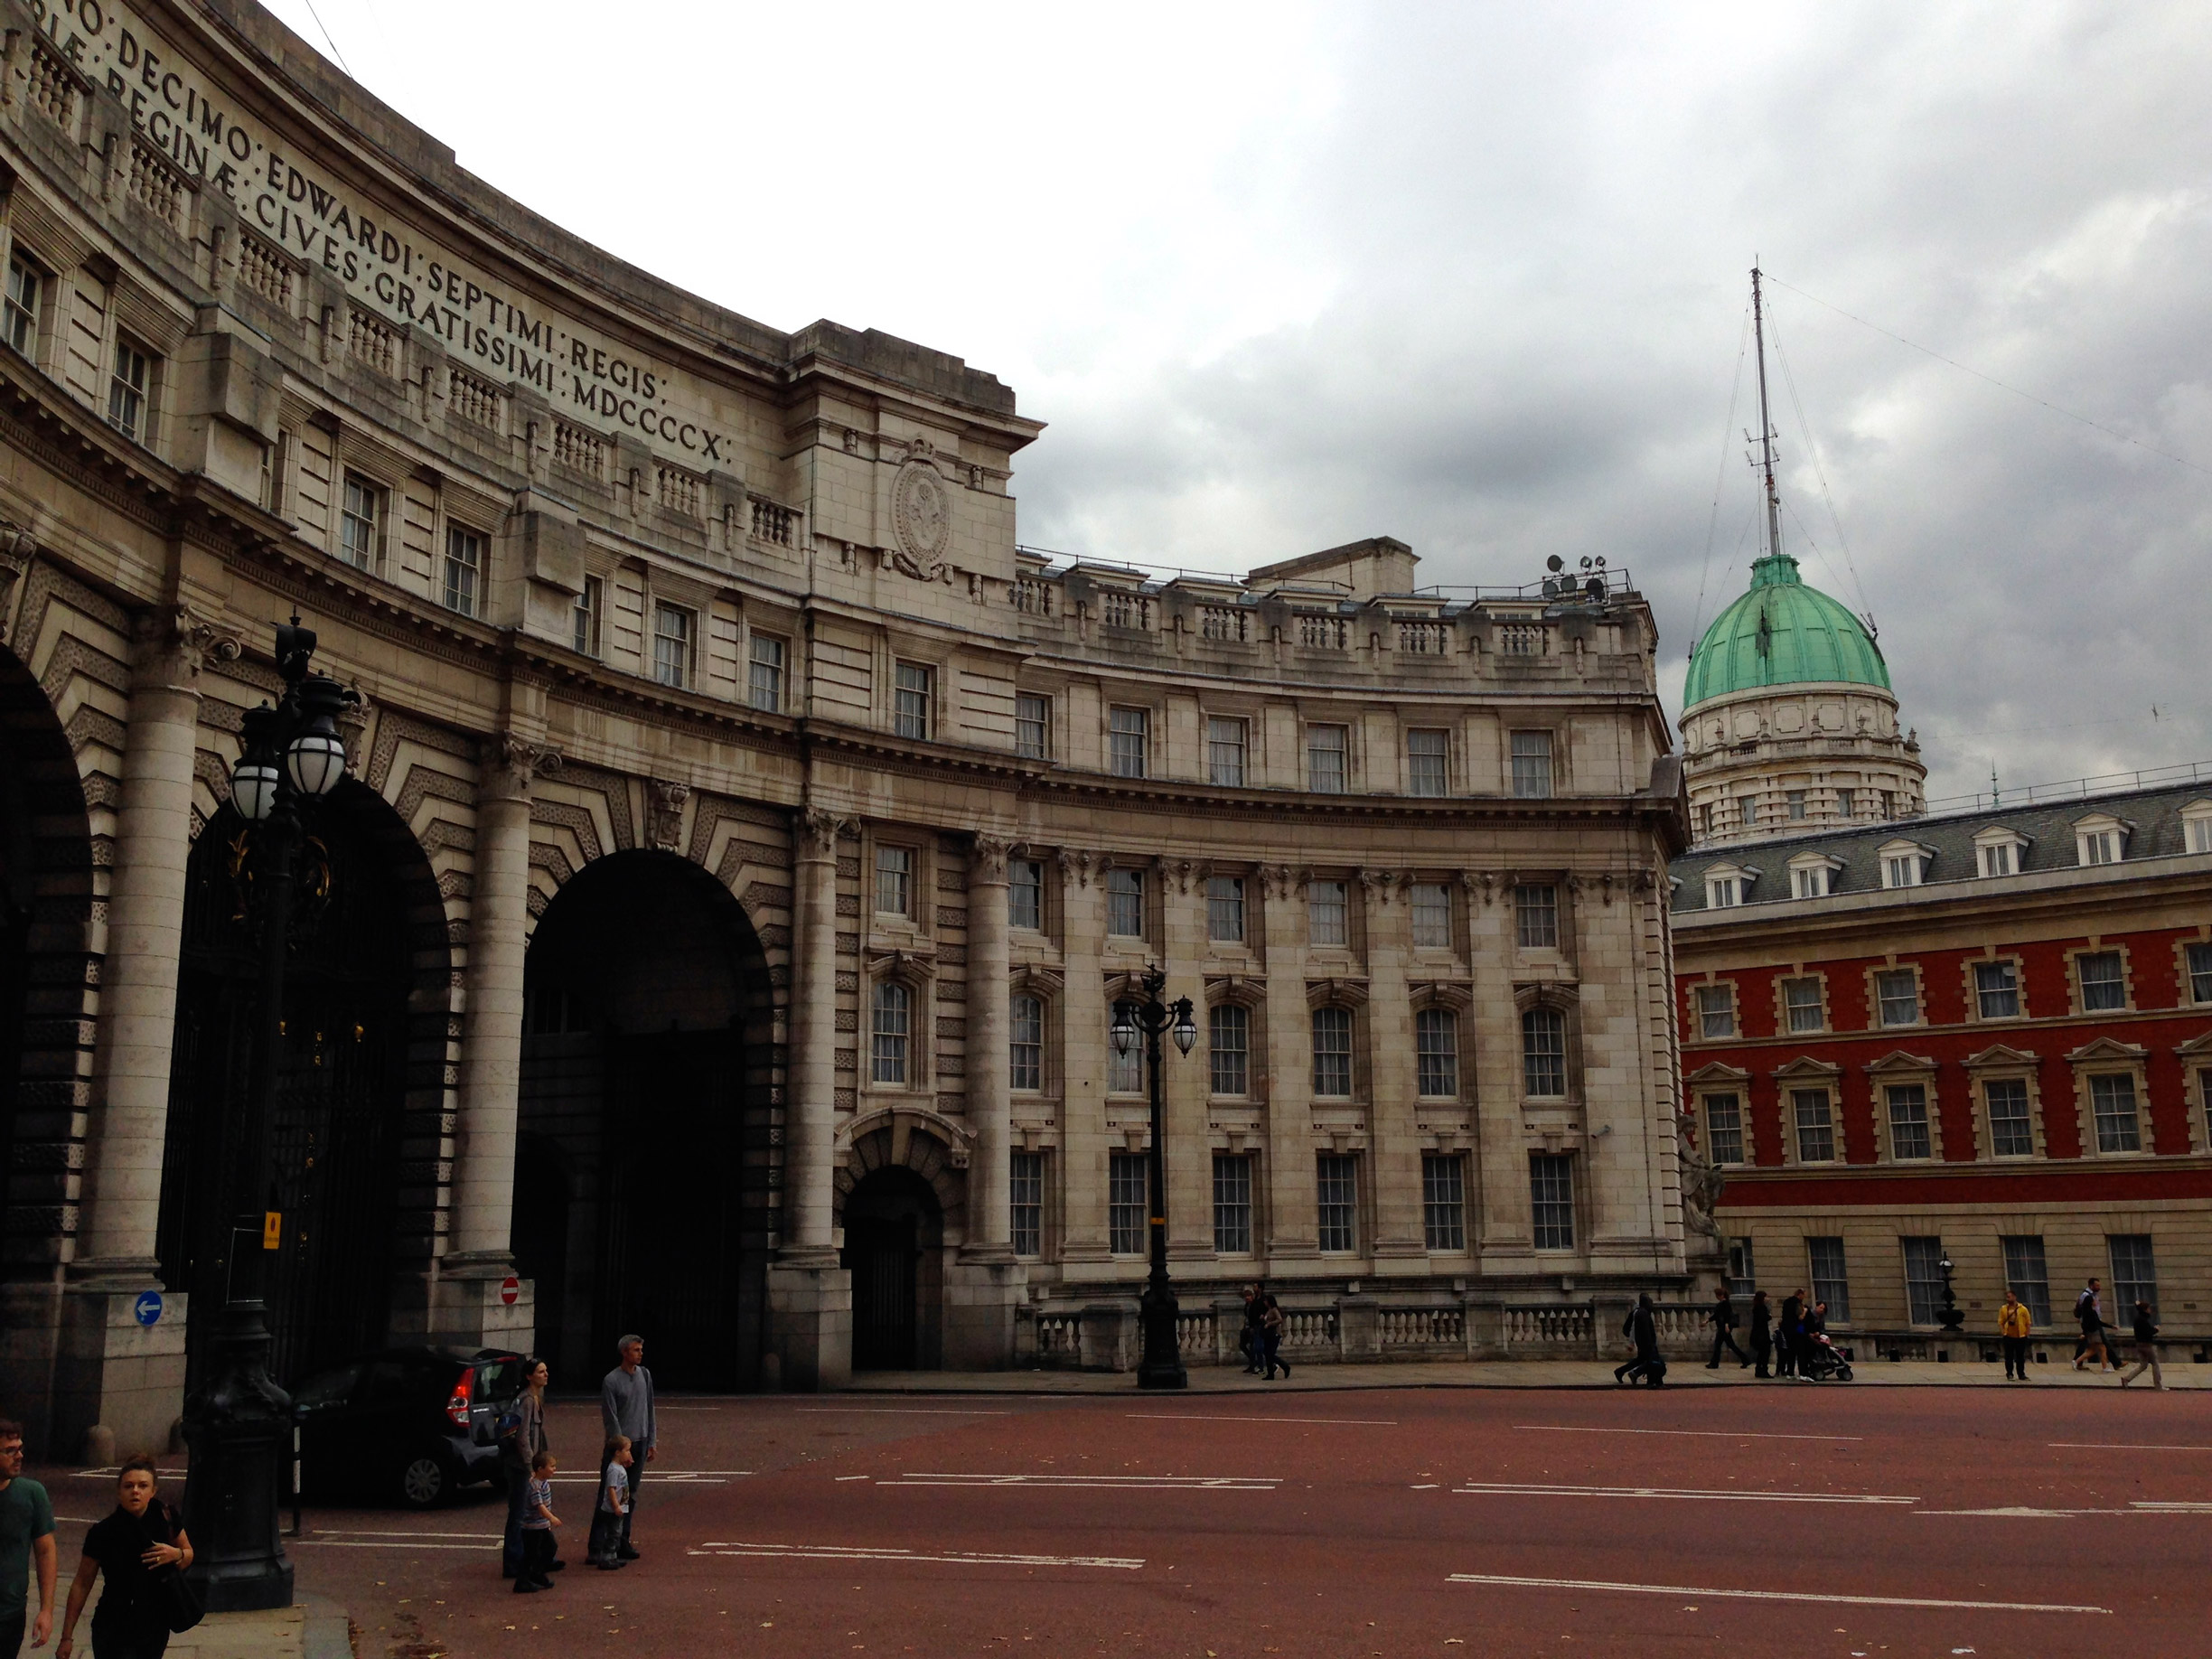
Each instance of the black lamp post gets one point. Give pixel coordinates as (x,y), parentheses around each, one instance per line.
(1953,1316)
(1162,1365)
(237,1422)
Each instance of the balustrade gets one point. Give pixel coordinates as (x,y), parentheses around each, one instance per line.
(265,270)
(1321,631)
(372,340)
(772,523)
(579,450)
(156,185)
(473,399)
(678,491)
(53,89)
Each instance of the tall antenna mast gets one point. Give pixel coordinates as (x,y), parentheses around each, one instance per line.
(1774,502)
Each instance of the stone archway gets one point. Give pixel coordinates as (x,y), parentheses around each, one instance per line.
(643,1122)
(900,1195)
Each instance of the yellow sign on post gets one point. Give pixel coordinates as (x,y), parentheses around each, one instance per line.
(272,1229)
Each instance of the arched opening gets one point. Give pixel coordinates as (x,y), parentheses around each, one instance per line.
(642,1171)
(894,1251)
(367,932)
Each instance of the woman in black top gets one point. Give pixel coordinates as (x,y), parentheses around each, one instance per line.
(140,1537)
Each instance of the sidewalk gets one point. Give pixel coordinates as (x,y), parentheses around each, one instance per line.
(313,1628)
(1501,1374)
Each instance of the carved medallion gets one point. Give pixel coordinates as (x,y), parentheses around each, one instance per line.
(921,512)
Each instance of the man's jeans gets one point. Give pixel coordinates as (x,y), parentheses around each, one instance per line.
(518,1500)
(12,1629)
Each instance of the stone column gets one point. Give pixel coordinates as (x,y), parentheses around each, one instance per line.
(1291,1247)
(1507,1238)
(1085,1067)
(810,1295)
(987,1282)
(120,1374)
(1400,1244)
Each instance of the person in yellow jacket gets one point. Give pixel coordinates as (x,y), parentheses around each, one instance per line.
(2013,1324)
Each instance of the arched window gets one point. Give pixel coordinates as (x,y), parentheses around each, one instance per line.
(1436,1049)
(1332,1052)
(1026,1067)
(892,1030)
(1543,1052)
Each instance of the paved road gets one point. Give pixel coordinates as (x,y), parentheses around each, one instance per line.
(1827,1520)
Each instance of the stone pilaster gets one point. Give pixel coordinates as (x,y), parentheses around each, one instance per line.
(1085,1064)
(1394,1133)
(1291,1245)
(1506,1234)
(987,1282)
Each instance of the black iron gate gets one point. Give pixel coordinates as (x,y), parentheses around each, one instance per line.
(883,1257)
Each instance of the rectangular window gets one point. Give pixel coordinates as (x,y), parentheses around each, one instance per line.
(891,1031)
(1749,807)
(1812,881)
(1997,989)
(1026,894)
(1847,801)
(1232,1203)
(2103,981)
(1127,732)
(1801,1001)
(1125,904)
(1436,1052)
(1888,803)
(1432,917)
(2201,835)
(1793,801)
(912,692)
(1909,1121)
(1705,820)
(1444,1199)
(1025,1055)
(1033,727)
(1332,1052)
(1126,1200)
(2012,1131)
(1716,1008)
(1742,1269)
(1924,1280)
(1336,1183)
(1898,994)
(765,654)
(2112,1099)
(1552,1199)
(1225,909)
(1997,860)
(360,522)
(1724,1142)
(19,318)
(2134,1273)
(1536,917)
(895,881)
(1327,773)
(129,390)
(1125,1073)
(1721,892)
(1831,1284)
(1229,1048)
(1426,764)
(1225,753)
(1026,1194)
(1903,871)
(2026,1275)
(1543,1052)
(464,566)
(2200,971)
(585,619)
(1532,764)
(2100,847)
(672,646)
(1326,912)
(1815,1126)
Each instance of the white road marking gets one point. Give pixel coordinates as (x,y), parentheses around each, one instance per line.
(1425,1487)
(2171,1508)
(363,1531)
(1700,1434)
(1753,1595)
(869,1411)
(384,1543)
(851,1477)
(1099,1483)
(1200,1417)
(1536,1489)
(2112,1446)
(956,1557)
(2016,1512)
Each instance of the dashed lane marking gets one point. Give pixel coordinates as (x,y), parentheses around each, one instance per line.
(1533,1489)
(2114,1446)
(1758,1595)
(954,1557)
(873,1410)
(1204,1417)
(1099,1483)
(1699,1434)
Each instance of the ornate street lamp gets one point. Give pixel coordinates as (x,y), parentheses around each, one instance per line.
(237,1422)
(1162,1365)
(1953,1318)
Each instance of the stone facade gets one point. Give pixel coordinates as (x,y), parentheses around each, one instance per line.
(1786,760)
(745,840)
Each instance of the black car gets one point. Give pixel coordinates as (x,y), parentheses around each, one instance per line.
(414,1424)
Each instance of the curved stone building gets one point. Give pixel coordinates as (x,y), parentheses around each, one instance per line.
(1788,721)
(746,841)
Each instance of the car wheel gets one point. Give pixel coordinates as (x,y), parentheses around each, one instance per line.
(424,1482)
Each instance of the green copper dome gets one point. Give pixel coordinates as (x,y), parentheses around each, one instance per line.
(1782,633)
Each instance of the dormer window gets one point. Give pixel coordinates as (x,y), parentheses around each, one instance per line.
(2101,839)
(1998,851)
(1728,886)
(1903,864)
(1812,875)
(2196,826)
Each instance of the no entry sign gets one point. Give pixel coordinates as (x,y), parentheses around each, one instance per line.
(510,1289)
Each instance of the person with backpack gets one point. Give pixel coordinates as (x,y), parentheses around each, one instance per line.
(2013,1324)
(1723,1317)
(2089,1312)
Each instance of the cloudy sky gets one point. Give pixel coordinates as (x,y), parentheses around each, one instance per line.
(1475,277)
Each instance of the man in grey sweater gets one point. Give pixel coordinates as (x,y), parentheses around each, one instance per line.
(626,1408)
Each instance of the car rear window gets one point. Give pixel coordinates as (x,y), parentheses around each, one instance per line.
(496,1379)
(326,1389)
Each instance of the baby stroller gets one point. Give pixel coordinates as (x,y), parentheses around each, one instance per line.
(1819,1359)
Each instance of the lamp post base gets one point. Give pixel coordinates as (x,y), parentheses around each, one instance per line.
(240,1432)
(1162,1365)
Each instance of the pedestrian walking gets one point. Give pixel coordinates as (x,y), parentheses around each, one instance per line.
(1271,1336)
(1762,1334)
(538,1523)
(613,1505)
(1252,1341)
(1642,1329)
(135,1546)
(1785,1335)
(1723,1317)
(26,1537)
(2089,1311)
(520,1441)
(626,1408)
(2013,1324)
(2146,1349)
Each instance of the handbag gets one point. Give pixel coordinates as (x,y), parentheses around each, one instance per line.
(174,1596)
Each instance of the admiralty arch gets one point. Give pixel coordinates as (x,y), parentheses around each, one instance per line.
(745,840)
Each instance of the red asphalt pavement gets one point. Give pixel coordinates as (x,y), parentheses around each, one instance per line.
(1345,1523)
